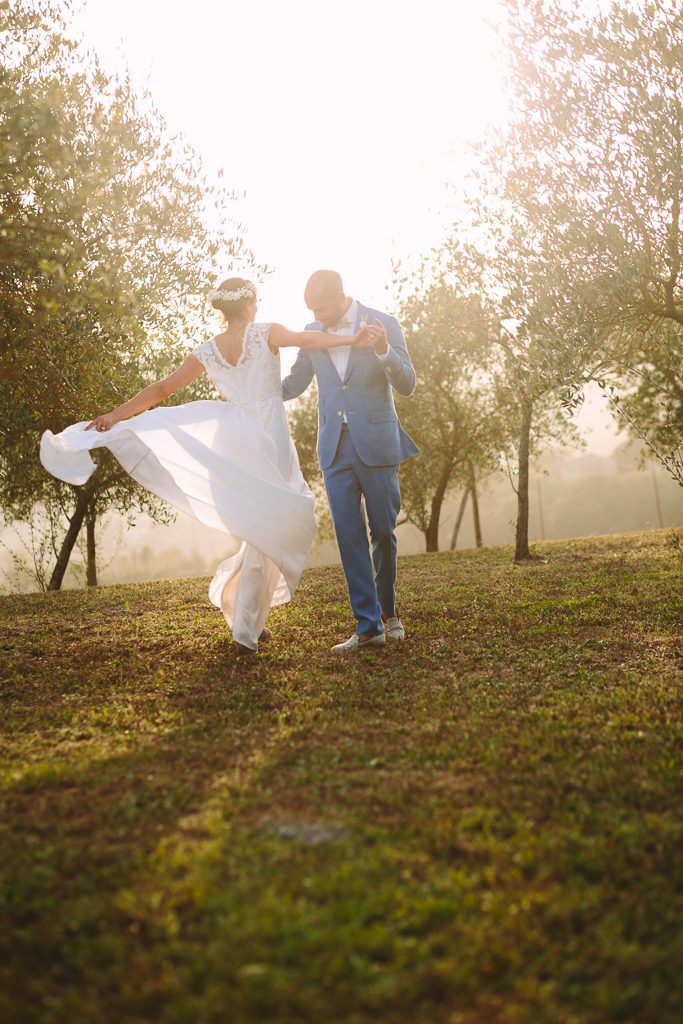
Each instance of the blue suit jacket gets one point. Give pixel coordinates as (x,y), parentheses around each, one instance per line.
(364,394)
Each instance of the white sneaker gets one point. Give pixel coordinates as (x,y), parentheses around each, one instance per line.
(393,628)
(358,643)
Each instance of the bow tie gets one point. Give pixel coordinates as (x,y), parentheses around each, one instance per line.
(340,325)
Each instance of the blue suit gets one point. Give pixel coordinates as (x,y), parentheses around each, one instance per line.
(360,463)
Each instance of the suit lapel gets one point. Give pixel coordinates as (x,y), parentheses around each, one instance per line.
(317,326)
(323,353)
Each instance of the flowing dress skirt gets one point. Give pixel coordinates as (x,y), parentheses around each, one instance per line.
(227,469)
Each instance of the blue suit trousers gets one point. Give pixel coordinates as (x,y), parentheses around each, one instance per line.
(354,489)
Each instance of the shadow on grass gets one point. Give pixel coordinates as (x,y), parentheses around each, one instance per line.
(82,833)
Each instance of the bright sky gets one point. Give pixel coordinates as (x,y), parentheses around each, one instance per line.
(344,123)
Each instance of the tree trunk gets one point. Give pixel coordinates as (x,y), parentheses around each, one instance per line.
(432,531)
(67,547)
(432,535)
(475,506)
(657,501)
(522,553)
(458,519)
(91,563)
(431,542)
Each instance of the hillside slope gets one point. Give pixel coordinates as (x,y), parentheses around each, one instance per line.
(481,824)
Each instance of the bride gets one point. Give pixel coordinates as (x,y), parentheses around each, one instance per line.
(231,464)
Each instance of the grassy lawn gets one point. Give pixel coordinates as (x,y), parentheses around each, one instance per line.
(483,824)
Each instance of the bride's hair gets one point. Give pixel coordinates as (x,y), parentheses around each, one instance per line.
(231,297)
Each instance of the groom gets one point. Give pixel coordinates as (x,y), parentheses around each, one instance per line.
(360,446)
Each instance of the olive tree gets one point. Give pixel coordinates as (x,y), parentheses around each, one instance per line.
(110,232)
(593,157)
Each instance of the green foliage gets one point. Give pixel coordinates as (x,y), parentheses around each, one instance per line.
(480,824)
(483,361)
(568,261)
(455,414)
(594,152)
(107,251)
(649,397)
(591,166)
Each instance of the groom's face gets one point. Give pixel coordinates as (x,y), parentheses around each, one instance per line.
(327,305)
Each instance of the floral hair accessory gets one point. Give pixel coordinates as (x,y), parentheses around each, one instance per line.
(247,291)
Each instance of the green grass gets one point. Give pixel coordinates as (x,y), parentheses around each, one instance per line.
(483,824)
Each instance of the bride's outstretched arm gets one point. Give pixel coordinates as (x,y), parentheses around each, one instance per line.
(188,371)
(280,337)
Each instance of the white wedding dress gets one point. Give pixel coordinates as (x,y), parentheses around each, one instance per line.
(230,464)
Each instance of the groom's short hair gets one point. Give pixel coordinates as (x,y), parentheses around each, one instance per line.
(327,280)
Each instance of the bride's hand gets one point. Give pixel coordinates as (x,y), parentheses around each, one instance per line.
(363,337)
(105,422)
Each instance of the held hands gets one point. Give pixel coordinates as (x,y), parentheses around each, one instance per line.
(371,336)
(105,422)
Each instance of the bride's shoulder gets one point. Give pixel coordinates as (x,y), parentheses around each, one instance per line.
(259,339)
(201,351)
(260,331)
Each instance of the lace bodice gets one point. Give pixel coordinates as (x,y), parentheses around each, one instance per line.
(254,379)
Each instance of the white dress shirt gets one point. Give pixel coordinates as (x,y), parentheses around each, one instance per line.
(340,355)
